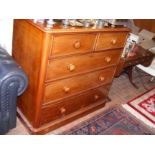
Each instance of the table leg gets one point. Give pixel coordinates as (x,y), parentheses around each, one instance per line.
(129,73)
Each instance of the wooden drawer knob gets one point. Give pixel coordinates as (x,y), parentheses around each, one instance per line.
(62,110)
(101,78)
(107,59)
(66,89)
(96,97)
(77,44)
(71,67)
(113,42)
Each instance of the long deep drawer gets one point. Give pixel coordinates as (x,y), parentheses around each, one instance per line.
(111,40)
(71,86)
(65,67)
(65,107)
(66,44)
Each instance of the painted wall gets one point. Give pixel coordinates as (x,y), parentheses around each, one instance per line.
(6,30)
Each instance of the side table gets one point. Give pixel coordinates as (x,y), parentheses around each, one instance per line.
(142,56)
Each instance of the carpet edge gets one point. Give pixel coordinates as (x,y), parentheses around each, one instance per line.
(138,116)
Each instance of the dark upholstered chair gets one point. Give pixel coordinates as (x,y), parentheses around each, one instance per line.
(13,83)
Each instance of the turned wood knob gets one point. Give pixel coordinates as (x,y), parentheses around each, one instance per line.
(96,97)
(101,78)
(113,42)
(107,59)
(71,67)
(62,110)
(77,44)
(66,89)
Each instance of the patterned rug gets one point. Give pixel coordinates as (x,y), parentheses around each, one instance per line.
(143,107)
(115,121)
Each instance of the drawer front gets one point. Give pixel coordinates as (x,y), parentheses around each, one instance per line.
(73,104)
(68,87)
(59,68)
(72,44)
(111,40)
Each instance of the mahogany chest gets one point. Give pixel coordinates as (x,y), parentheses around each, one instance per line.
(70,71)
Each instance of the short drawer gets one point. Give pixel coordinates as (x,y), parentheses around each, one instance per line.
(73,104)
(111,40)
(65,67)
(72,44)
(71,86)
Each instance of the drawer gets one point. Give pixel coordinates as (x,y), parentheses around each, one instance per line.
(111,40)
(72,44)
(65,67)
(68,106)
(71,86)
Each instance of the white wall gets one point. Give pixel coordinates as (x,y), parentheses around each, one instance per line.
(6,30)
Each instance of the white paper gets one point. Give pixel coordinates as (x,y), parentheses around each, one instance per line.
(147,35)
(147,44)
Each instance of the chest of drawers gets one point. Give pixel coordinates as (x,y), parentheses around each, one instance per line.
(70,71)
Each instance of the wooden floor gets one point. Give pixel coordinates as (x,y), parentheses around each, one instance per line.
(121,92)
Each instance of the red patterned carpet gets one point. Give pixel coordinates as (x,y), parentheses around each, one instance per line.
(143,107)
